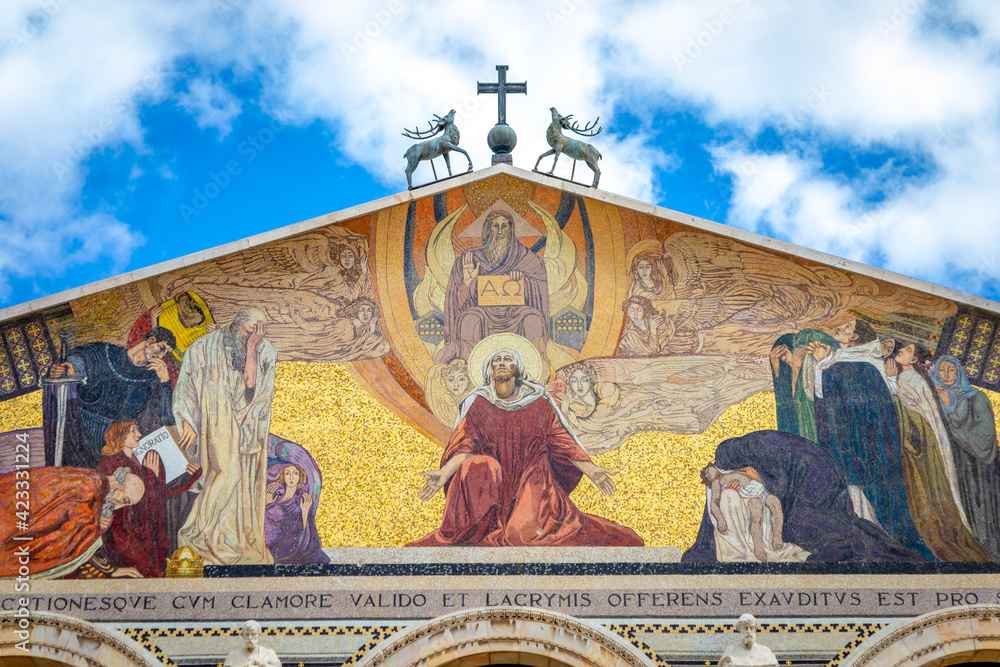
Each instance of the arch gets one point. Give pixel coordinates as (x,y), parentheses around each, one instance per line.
(939,638)
(71,641)
(509,635)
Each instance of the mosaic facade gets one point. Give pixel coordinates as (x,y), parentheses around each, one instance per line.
(504,363)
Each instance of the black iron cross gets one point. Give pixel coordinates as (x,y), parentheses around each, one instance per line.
(501,88)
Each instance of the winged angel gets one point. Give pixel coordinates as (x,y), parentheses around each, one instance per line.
(549,283)
(704,294)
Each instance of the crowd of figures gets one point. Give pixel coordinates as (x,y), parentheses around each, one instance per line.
(882,453)
(244,496)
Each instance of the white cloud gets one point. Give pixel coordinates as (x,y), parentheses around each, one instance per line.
(211,105)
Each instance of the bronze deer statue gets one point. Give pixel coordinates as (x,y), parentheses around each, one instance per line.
(574,148)
(430,149)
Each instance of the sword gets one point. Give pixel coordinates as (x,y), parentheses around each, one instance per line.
(62,394)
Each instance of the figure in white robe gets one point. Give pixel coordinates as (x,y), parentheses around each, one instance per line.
(222,403)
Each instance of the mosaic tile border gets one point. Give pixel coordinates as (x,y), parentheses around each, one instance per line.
(147,637)
(587,569)
(628,631)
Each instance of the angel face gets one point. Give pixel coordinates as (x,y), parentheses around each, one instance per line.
(365,313)
(290,476)
(645,270)
(347,258)
(457,381)
(580,383)
(635,314)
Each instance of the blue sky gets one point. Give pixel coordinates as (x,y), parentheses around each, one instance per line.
(132,132)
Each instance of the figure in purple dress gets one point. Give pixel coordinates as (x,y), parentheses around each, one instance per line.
(290,517)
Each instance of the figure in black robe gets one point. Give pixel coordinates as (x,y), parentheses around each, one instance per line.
(115,390)
(819,516)
(856,422)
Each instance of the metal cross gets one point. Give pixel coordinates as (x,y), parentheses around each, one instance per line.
(501,88)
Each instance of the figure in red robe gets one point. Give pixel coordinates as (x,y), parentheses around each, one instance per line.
(465,321)
(69,509)
(509,468)
(138,534)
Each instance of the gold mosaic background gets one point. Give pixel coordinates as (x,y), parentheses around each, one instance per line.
(372,460)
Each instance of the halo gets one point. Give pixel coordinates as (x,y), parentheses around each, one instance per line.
(488,346)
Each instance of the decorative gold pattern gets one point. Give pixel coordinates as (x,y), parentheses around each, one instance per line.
(863,630)
(146,637)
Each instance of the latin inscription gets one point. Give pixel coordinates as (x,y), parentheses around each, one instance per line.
(410,604)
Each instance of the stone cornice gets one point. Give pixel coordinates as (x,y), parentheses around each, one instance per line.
(900,633)
(568,625)
(120,643)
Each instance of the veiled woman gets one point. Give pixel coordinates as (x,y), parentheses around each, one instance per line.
(973,429)
(928,472)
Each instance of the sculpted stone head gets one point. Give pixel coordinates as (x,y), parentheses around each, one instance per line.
(251,634)
(747,627)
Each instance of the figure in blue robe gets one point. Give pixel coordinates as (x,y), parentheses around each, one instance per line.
(856,423)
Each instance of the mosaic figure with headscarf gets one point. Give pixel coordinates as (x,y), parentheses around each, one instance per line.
(512,461)
(974,444)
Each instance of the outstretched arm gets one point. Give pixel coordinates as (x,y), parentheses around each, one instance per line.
(601,477)
(436,479)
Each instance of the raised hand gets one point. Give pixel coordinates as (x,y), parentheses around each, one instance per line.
(435,481)
(819,351)
(272,493)
(470,270)
(152,461)
(160,366)
(259,329)
(779,354)
(601,477)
